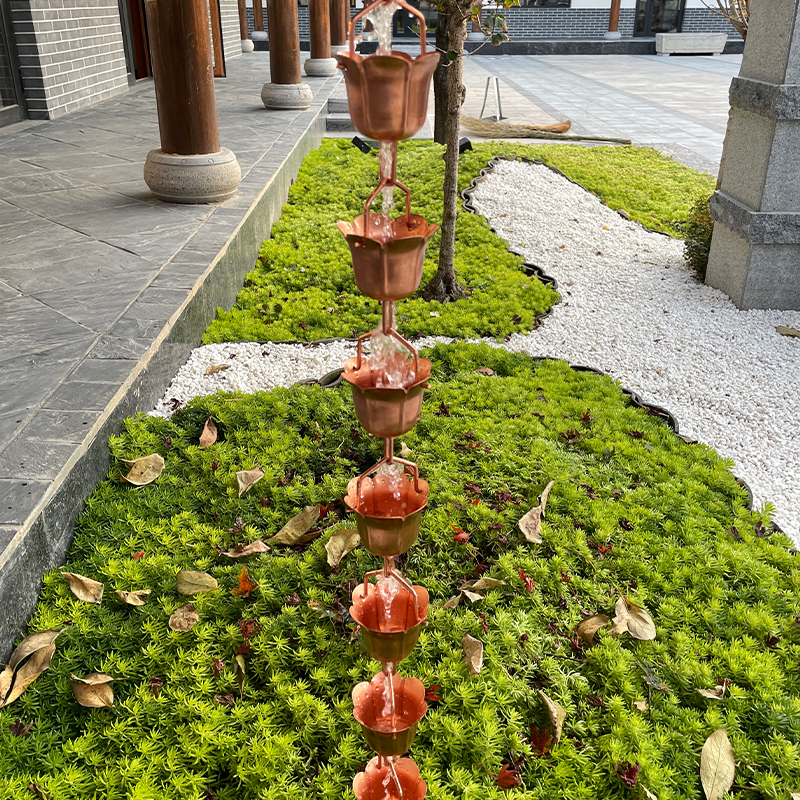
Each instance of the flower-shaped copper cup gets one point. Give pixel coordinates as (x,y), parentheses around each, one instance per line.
(389,712)
(387,398)
(379,781)
(387,517)
(388,256)
(387,94)
(389,617)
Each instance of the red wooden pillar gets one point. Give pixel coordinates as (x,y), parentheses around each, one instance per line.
(258,22)
(190,166)
(284,89)
(613,21)
(244,33)
(340,23)
(320,65)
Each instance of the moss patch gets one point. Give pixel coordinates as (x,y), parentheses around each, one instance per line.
(303,288)
(634,511)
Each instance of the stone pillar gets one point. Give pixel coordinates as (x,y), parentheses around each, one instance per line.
(320,65)
(190,166)
(259,34)
(613,21)
(755,250)
(340,25)
(284,91)
(247,45)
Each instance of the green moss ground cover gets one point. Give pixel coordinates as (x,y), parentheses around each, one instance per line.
(303,288)
(634,510)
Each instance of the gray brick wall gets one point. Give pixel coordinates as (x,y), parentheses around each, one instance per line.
(302,13)
(702,20)
(231,38)
(71,53)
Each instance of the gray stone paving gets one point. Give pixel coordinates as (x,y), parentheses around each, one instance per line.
(678,105)
(104,290)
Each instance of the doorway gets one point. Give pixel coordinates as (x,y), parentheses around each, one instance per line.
(12,106)
(406,26)
(658,16)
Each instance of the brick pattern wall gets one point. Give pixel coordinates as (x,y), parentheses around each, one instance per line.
(302,13)
(70,52)
(231,38)
(702,20)
(6,80)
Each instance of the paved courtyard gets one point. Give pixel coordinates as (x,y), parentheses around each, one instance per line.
(678,105)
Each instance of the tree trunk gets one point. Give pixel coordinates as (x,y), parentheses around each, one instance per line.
(440,79)
(444,285)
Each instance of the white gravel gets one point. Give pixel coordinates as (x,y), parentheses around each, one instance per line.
(630,308)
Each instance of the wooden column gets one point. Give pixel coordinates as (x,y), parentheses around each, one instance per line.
(319,19)
(180,48)
(258,16)
(613,20)
(244,33)
(340,21)
(284,41)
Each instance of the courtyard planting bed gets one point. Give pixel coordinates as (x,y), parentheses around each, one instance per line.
(634,512)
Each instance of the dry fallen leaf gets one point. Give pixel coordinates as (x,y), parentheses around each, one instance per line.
(93,691)
(137,598)
(248,478)
(254,547)
(340,544)
(84,588)
(589,627)
(28,661)
(144,470)
(648,794)
(246,584)
(191,582)
(556,713)
(783,331)
(214,368)
(483,584)
(297,527)
(405,451)
(184,618)
(508,778)
(717,766)
(473,653)
(485,371)
(634,619)
(473,597)
(794,796)
(717,693)
(531,523)
(640,705)
(209,434)
(453,601)
(239,671)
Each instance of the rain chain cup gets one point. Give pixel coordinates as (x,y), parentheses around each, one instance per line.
(388,97)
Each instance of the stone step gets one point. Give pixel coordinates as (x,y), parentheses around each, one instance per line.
(338,105)
(339,122)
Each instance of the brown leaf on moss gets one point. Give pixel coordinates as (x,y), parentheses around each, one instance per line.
(248,478)
(184,618)
(297,527)
(84,588)
(144,470)
(508,778)
(224,699)
(217,665)
(209,434)
(136,598)
(556,713)
(717,765)
(193,582)
(94,690)
(247,550)
(28,661)
(239,670)
(473,653)
(531,523)
(246,585)
(340,544)
(589,627)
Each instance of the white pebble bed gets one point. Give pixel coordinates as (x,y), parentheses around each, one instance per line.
(630,307)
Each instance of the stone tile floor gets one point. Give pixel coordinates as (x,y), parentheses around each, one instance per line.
(92,265)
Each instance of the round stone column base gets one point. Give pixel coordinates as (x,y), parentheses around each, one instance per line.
(206,178)
(247,46)
(339,48)
(286,95)
(259,36)
(612,35)
(320,67)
